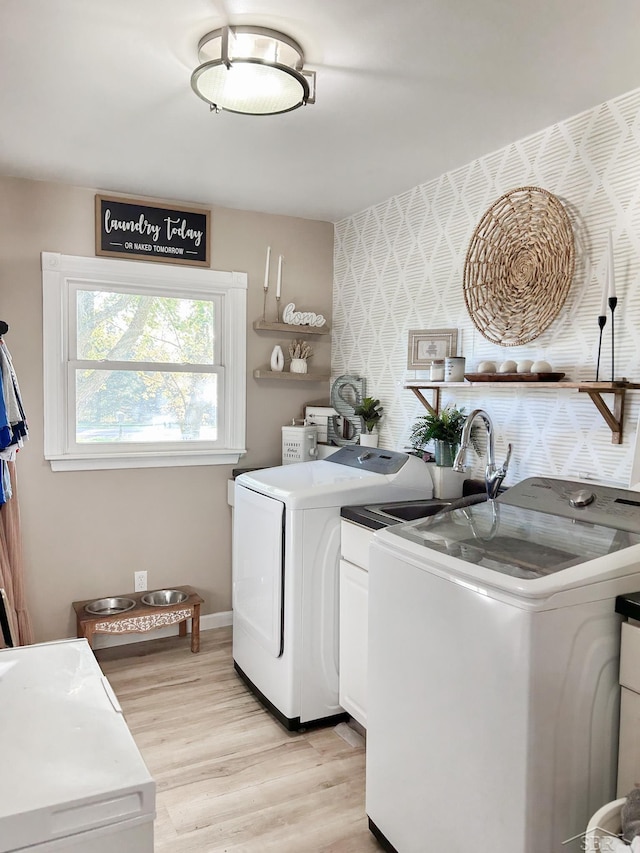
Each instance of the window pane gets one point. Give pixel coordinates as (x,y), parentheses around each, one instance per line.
(141,406)
(133,327)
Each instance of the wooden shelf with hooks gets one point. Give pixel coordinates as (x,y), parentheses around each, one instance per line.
(613,417)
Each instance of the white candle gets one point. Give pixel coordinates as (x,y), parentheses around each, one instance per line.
(279,281)
(612,276)
(605,293)
(266,269)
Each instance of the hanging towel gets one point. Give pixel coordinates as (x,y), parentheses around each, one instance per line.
(13,421)
(6,435)
(14,416)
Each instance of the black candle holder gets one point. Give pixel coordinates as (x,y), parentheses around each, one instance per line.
(613,301)
(602,322)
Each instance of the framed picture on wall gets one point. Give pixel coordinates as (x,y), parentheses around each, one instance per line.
(425,345)
(131,228)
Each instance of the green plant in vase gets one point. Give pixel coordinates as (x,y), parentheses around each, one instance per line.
(370,411)
(443,429)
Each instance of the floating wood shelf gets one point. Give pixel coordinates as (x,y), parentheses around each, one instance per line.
(265,373)
(264,326)
(612,417)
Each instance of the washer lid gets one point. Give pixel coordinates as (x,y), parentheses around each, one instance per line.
(353,475)
(515,541)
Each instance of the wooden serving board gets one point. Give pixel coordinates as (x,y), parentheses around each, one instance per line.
(514,377)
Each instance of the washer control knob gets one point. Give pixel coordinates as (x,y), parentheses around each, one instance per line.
(581,498)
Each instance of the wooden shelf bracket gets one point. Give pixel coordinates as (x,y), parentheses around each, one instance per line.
(433,408)
(613,419)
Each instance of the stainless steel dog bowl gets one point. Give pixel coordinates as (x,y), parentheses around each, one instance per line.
(164,597)
(109,606)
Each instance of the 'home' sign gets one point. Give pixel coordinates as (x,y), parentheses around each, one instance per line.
(134,229)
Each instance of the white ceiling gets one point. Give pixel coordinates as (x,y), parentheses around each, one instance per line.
(97,93)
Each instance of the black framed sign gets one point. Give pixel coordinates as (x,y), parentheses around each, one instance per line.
(127,228)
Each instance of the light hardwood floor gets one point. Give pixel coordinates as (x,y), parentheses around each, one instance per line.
(229,777)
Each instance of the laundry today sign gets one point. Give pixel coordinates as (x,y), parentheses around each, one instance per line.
(132,229)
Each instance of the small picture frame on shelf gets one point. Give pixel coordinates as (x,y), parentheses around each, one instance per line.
(425,345)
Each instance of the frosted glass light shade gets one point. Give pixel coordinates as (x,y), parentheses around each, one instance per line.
(250,70)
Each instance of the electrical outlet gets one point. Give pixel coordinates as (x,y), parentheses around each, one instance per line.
(140,581)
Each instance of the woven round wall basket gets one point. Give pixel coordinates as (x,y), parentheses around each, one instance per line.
(519,266)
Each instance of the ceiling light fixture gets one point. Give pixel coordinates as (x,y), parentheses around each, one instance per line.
(252,70)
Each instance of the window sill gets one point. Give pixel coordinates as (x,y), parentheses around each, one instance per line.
(87,462)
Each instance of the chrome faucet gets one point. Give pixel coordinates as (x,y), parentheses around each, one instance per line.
(493,476)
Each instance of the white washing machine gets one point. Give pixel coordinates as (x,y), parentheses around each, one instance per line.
(73,779)
(286,550)
(493,662)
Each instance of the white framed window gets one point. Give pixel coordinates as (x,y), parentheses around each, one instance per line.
(144,364)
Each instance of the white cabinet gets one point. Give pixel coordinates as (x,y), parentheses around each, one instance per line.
(629,743)
(629,748)
(354,619)
(354,594)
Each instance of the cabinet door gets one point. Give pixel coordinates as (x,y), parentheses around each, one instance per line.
(354,593)
(629,746)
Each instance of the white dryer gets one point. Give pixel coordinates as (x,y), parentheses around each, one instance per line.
(73,779)
(493,662)
(286,550)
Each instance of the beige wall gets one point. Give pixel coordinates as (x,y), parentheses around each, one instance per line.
(85,533)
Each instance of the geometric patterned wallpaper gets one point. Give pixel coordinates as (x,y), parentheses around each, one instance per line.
(399,265)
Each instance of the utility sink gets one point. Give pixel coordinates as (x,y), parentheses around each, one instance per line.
(413,510)
(384,514)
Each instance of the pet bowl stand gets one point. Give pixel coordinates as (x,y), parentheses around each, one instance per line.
(143,617)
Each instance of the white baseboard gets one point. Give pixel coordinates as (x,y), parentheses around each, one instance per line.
(211,620)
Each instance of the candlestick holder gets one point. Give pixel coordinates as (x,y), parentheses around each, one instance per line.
(613,301)
(277,309)
(264,305)
(602,322)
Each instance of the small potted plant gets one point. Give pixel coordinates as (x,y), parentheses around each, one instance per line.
(299,352)
(370,411)
(443,429)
